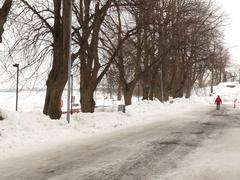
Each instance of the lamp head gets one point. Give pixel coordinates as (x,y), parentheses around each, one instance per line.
(15,65)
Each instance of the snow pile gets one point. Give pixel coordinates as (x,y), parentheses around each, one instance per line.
(228,91)
(34,130)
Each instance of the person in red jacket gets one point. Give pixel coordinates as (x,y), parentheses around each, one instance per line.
(218,102)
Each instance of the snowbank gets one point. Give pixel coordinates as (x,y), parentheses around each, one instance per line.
(228,91)
(21,132)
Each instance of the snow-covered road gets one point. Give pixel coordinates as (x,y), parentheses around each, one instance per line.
(152,151)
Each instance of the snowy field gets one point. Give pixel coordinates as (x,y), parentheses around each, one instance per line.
(29,130)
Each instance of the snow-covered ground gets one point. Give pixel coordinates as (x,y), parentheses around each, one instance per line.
(215,160)
(29,130)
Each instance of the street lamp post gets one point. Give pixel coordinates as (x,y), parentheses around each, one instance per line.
(138,91)
(17,66)
(71,93)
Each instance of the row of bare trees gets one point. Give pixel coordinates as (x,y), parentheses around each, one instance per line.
(176,43)
(165,46)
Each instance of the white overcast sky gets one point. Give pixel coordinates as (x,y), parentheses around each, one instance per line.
(232,29)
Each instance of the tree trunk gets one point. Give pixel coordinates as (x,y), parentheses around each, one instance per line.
(146,89)
(179,92)
(165,82)
(55,87)
(88,84)
(56,82)
(188,87)
(153,82)
(188,92)
(128,92)
(119,94)
(58,76)
(153,88)
(4,11)
(151,93)
(127,97)
(87,101)
(212,81)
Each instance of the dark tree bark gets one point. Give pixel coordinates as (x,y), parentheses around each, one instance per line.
(128,92)
(4,11)
(58,75)
(119,92)
(87,101)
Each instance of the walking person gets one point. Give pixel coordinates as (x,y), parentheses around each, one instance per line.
(218,102)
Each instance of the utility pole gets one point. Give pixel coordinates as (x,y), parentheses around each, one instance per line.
(161,77)
(17,66)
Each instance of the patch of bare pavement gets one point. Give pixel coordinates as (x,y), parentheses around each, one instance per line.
(136,153)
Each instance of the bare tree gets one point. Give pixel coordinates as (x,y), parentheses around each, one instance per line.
(93,39)
(42,27)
